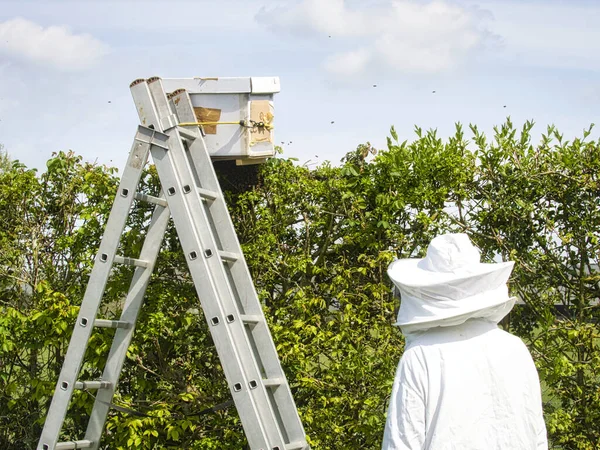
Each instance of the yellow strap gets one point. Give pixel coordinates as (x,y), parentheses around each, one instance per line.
(192,124)
(195,124)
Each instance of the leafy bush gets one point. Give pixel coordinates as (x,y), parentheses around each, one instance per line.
(318,243)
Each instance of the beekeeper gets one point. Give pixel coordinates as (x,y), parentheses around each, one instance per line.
(462,383)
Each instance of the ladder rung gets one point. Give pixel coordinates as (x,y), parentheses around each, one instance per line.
(150,199)
(103,323)
(187,134)
(273,381)
(248,318)
(93,384)
(298,445)
(228,256)
(208,195)
(130,261)
(72,445)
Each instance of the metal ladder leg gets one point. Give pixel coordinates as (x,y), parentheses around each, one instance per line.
(248,302)
(179,185)
(241,320)
(199,255)
(86,319)
(126,324)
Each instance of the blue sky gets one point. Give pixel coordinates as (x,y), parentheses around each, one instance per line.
(62,62)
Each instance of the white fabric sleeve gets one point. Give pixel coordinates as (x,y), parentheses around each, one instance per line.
(532,381)
(405,423)
(542,436)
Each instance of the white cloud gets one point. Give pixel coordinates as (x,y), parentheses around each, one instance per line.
(351,62)
(328,17)
(562,35)
(408,36)
(53,46)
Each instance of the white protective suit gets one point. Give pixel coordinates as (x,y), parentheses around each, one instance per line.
(465,387)
(462,383)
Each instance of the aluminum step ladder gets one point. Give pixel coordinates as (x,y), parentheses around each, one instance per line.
(192,197)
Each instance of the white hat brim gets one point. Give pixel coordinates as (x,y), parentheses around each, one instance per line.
(431,299)
(407,272)
(494,312)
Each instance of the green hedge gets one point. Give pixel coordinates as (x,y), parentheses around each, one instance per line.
(318,242)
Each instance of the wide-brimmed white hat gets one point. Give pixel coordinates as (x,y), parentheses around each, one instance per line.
(450,286)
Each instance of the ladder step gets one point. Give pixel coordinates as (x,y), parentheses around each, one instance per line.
(130,261)
(187,134)
(228,256)
(103,323)
(207,195)
(298,445)
(71,445)
(248,318)
(150,199)
(93,384)
(273,382)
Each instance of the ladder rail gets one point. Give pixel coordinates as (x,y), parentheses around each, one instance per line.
(244,286)
(200,247)
(93,294)
(197,263)
(122,339)
(171,165)
(241,294)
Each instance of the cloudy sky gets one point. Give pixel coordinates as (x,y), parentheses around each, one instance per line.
(65,67)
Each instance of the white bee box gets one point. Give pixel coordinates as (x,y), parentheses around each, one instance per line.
(233,100)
